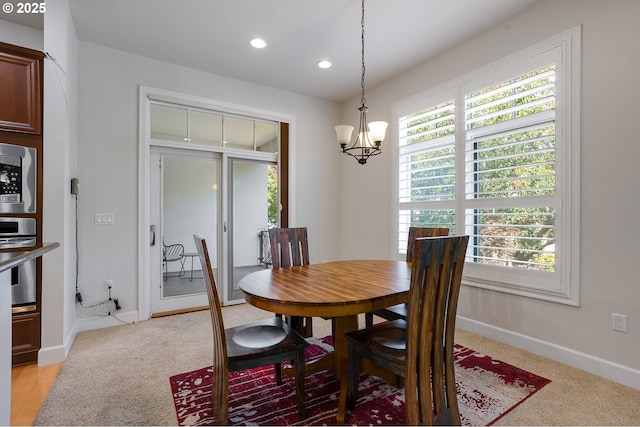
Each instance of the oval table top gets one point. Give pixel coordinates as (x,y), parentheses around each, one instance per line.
(338,288)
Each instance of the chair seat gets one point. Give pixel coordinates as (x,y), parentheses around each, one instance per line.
(400,311)
(395,312)
(266,337)
(386,340)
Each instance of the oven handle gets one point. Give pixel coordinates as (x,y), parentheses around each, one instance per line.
(17,242)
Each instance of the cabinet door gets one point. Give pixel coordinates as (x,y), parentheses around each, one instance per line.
(25,338)
(20,92)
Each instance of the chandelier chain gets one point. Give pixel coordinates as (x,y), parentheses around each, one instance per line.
(369,135)
(362,100)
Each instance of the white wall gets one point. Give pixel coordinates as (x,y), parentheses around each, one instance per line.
(610,151)
(108,147)
(21,35)
(60,104)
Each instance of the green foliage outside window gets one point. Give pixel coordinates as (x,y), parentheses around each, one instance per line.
(272,196)
(511,157)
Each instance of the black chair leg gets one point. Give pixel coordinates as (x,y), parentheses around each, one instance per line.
(302,325)
(353,378)
(278,370)
(307,326)
(368,320)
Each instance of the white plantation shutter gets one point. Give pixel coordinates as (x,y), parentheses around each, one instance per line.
(510,170)
(427,169)
(491,156)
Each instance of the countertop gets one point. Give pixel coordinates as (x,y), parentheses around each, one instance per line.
(27,255)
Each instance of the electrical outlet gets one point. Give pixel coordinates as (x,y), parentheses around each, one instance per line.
(111,306)
(619,322)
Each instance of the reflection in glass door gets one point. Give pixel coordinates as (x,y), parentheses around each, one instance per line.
(187,204)
(253,209)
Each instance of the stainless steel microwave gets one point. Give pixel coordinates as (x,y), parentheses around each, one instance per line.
(18,166)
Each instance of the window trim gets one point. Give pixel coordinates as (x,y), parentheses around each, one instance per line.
(568,157)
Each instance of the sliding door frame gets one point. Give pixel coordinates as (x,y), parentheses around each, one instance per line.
(286,169)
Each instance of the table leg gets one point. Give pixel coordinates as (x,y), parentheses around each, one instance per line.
(338,361)
(344,324)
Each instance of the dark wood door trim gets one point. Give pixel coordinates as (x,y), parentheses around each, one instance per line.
(284,174)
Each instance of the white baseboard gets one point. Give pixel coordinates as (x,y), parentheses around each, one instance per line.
(57,354)
(595,365)
(98,322)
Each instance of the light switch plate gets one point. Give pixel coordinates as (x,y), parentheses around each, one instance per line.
(104,219)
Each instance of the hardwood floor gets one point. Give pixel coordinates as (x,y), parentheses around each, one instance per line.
(30,385)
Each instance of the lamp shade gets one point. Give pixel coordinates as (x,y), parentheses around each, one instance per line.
(377,131)
(343,132)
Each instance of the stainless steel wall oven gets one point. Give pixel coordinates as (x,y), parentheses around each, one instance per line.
(17,233)
(18,179)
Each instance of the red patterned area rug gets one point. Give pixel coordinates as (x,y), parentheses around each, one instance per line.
(487,390)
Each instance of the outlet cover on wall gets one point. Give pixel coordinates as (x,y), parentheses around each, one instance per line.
(619,322)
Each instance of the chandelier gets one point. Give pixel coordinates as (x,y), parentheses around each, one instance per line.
(368,139)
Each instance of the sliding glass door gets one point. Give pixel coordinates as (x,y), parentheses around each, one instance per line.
(187,202)
(212,170)
(253,209)
(189,189)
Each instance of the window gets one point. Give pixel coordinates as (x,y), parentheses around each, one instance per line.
(494,155)
(190,125)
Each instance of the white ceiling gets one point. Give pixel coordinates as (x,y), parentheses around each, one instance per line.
(213,35)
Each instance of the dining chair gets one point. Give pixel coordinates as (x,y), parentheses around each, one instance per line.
(247,346)
(400,311)
(290,247)
(420,348)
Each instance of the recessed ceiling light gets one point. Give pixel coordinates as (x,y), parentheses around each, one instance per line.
(324,64)
(258,43)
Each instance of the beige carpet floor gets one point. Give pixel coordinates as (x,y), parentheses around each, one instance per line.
(120,376)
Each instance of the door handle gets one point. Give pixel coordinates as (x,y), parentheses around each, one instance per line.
(153,235)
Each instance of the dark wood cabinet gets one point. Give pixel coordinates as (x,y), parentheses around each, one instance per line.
(21,123)
(25,338)
(21,89)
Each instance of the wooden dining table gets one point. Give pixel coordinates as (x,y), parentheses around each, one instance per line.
(339,289)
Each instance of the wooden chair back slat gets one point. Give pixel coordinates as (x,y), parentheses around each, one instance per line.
(400,311)
(220,377)
(289,246)
(430,390)
(418,232)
